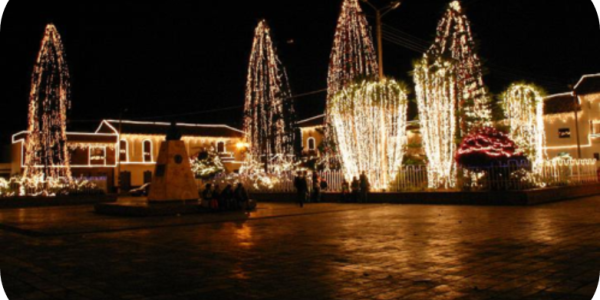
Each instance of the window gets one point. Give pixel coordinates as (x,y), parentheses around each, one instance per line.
(147,148)
(97,156)
(312,144)
(221,147)
(595,128)
(564,133)
(123,151)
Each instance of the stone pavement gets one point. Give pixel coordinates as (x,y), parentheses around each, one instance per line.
(325,251)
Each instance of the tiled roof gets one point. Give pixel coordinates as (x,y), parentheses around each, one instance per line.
(589,84)
(312,122)
(560,104)
(78,137)
(157,128)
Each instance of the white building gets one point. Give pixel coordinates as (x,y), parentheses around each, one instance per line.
(572,121)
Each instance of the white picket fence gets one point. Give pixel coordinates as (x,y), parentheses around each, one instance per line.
(510,176)
(574,172)
(415,179)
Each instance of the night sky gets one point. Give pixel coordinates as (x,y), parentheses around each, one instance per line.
(190,56)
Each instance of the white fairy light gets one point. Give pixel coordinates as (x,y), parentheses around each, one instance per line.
(524,113)
(352,57)
(455,42)
(369,119)
(47,152)
(269,109)
(437,97)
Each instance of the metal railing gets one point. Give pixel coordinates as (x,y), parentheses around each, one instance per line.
(518,175)
(513,175)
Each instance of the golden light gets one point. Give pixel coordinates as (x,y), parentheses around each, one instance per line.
(242,146)
(47,152)
(437,98)
(524,112)
(268,121)
(369,119)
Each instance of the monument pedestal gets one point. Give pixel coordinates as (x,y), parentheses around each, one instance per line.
(173,180)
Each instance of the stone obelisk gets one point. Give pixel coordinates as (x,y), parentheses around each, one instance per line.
(173,180)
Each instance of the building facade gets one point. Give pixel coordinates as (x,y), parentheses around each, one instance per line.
(572,121)
(131,148)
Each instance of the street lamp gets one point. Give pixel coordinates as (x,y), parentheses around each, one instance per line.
(379,14)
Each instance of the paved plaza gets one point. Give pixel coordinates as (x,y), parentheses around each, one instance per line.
(325,251)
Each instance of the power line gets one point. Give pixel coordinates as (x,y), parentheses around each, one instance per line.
(400,42)
(403,39)
(203,112)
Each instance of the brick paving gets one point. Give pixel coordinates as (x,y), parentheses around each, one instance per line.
(325,251)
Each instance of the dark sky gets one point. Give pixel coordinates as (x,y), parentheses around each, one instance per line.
(188,56)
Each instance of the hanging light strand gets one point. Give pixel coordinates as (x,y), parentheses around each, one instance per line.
(454,41)
(370,120)
(352,57)
(524,113)
(437,95)
(269,113)
(47,152)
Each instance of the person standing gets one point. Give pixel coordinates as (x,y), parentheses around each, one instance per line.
(217,197)
(324,185)
(300,194)
(365,187)
(305,188)
(316,189)
(241,197)
(345,191)
(227,197)
(355,190)
(207,196)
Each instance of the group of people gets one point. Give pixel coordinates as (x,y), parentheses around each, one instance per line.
(357,191)
(309,191)
(227,199)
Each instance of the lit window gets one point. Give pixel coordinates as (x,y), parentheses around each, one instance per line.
(147,146)
(564,133)
(97,156)
(221,147)
(123,151)
(312,144)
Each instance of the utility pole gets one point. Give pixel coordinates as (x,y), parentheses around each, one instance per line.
(576,108)
(119,143)
(379,14)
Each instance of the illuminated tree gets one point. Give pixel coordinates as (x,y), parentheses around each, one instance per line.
(369,119)
(366,115)
(524,112)
(454,42)
(451,95)
(46,149)
(207,165)
(437,96)
(269,113)
(352,57)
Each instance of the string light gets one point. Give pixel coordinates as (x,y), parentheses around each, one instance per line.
(352,57)
(370,121)
(269,108)
(486,146)
(41,186)
(524,112)
(47,152)
(437,97)
(454,41)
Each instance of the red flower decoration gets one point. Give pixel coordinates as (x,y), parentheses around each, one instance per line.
(486,146)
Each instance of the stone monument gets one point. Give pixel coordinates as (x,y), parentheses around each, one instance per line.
(173,178)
